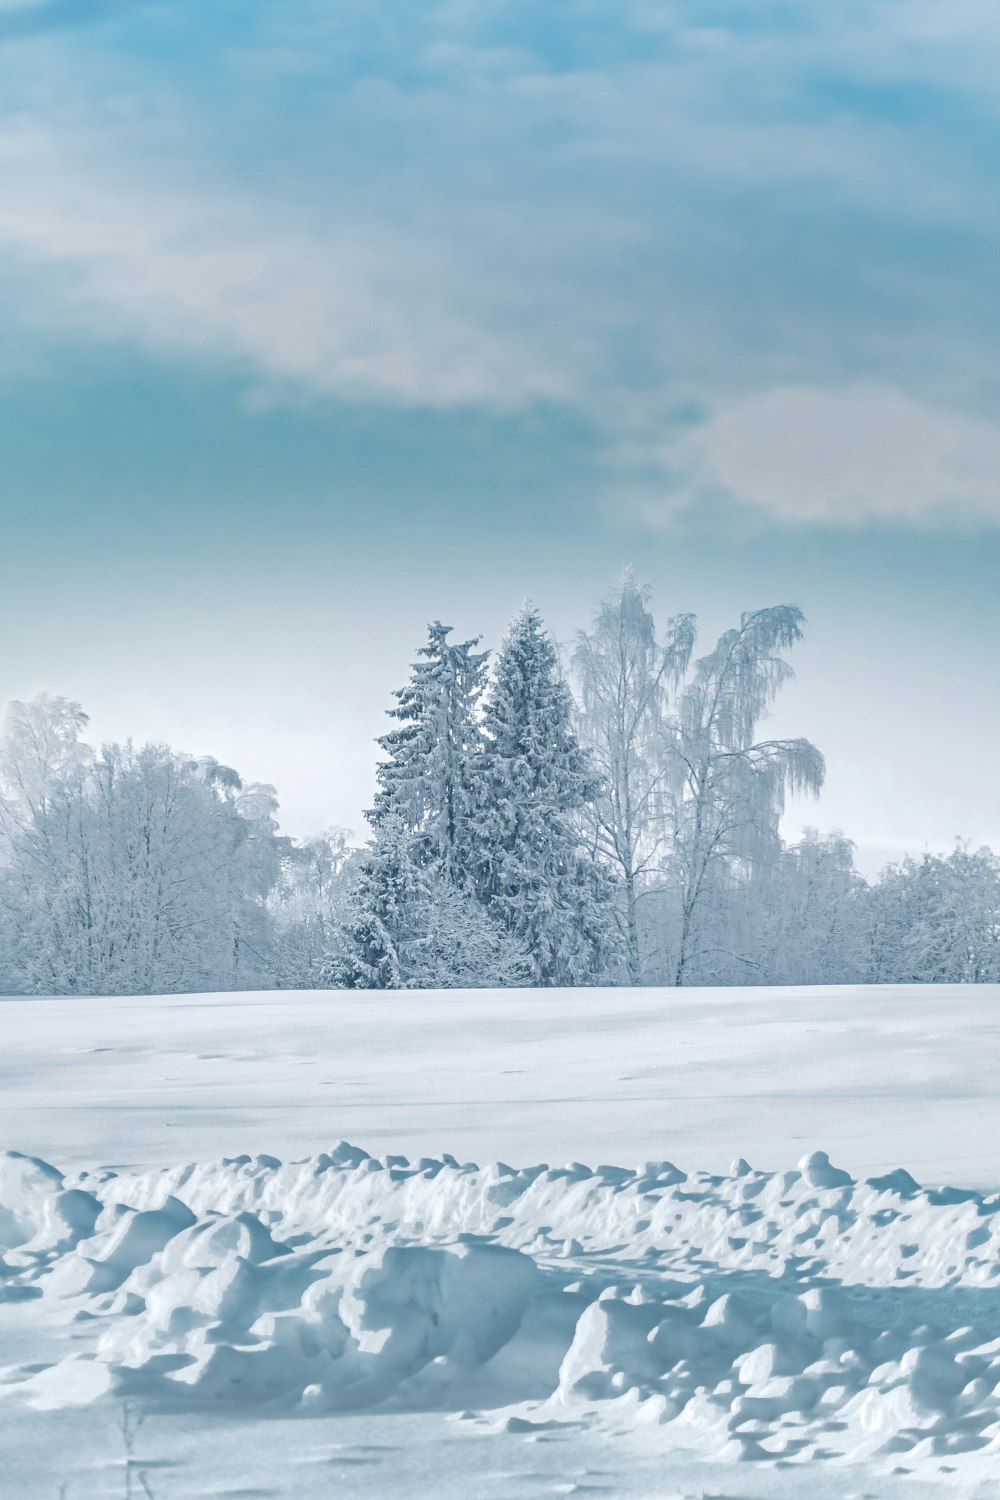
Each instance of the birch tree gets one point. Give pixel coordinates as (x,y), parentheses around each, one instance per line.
(626,678)
(309,906)
(730,787)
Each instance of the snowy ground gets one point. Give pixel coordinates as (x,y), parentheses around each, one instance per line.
(410,1324)
(876,1077)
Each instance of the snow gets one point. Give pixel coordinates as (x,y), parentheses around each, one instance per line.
(878,1077)
(394,1319)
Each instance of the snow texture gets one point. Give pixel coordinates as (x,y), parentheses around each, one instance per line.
(403,1322)
(797,1316)
(874,1075)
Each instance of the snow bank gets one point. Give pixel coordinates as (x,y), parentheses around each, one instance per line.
(794,1315)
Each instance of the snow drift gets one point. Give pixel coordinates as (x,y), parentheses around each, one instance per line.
(794,1315)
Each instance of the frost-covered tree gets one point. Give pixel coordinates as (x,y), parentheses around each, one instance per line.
(433,756)
(533,875)
(626,677)
(310,905)
(131,872)
(411,927)
(43,763)
(384,916)
(936,920)
(810,914)
(415,919)
(40,751)
(730,788)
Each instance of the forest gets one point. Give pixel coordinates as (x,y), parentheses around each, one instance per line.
(606,816)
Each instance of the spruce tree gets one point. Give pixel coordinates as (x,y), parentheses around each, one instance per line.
(433,757)
(533,875)
(415,920)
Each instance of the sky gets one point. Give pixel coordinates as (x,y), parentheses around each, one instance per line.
(322,319)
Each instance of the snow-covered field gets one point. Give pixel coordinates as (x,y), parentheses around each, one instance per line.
(876,1077)
(305,1319)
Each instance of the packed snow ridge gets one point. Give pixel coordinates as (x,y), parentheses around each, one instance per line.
(797,1315)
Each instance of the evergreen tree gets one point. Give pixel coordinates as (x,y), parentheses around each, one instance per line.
(415,918)
(382,920)
(412,928)
(533,875)
(426,781)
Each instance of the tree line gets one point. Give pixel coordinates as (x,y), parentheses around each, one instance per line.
(611,821)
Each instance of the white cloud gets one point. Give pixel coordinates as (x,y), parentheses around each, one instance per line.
(459,218)
(356,309)
(841,457)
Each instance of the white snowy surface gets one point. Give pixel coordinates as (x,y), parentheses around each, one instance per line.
(746,1319)
(411,1324)
(876,1076)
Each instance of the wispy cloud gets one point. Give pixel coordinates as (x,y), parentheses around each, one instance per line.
(764,215)
(351,312)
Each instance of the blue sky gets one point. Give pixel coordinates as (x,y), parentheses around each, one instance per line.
(323,319)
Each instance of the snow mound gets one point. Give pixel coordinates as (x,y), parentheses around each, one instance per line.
(784,1316)
(27,1189)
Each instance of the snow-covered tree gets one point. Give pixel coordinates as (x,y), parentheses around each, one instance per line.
(625,677)
(730,787)
(533,875)
(432,758)
(411,927)
(809,915)
(415,919)
(131,872)
(936,920)
(384,915)
(40,750)
(309,906)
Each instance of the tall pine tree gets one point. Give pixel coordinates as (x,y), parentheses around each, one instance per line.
(533,876)
(434,755)
(416,920)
